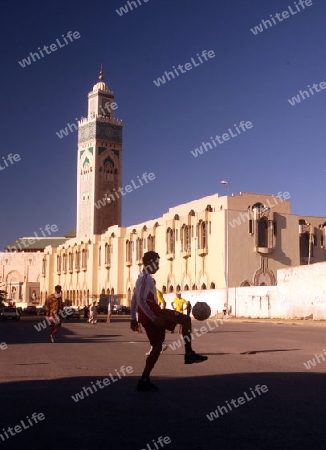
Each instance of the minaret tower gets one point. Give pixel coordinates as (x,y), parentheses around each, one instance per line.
(99,165)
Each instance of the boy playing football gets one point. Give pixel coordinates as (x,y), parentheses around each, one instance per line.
(156,320)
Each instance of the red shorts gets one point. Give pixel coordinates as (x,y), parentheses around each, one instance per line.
(144,320)
(156,335)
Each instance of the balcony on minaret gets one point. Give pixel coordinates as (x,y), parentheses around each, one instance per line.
(99,118)
(107,119)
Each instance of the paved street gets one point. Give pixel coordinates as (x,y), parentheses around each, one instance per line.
(37,376)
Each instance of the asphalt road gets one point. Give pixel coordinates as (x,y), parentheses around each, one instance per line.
(40,377)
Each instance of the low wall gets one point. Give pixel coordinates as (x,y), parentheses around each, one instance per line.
(299,294)
(243,302)
(302,290)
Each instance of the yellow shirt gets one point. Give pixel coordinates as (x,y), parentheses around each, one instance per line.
(179,304)
(160,298)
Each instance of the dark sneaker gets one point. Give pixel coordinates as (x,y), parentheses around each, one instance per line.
(146,385)
(191,358)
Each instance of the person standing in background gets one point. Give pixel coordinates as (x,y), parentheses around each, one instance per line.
(179,304)
(86,313)
(93,313)
(109,313)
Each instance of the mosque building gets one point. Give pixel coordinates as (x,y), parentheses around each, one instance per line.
(206,244)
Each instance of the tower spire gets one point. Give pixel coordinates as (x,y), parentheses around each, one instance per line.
(101,77)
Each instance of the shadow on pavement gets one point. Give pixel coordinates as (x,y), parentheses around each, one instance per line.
(254,352)
(289,416)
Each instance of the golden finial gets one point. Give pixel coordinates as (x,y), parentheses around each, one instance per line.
(101,77)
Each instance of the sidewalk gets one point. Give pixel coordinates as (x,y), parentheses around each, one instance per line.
(274,321)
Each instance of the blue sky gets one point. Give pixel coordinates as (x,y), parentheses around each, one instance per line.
(251,79)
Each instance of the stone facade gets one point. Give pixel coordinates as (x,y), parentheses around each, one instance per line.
(20,274)
(262,236)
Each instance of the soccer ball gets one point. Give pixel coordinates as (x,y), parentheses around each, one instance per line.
(201,311)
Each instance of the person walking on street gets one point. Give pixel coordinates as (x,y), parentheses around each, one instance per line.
(53,307)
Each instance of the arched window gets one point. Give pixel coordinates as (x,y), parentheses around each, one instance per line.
(139,249)
(178,288)
(258,205)
(186,287)
(99,255)
(84,259)
(170,242)
(164,289)
(185,238)
(107,254)
(203,286)
(263,232)
(212,286)
(171,289)
(202,238)
(305,240)
(151,243)
(71,261)
(44,267)
(129,251)
(77,260)
(59,263)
